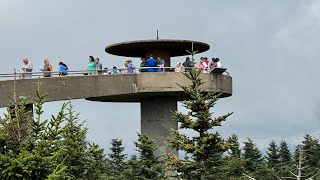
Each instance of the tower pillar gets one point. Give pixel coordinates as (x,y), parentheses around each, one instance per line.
(157,121)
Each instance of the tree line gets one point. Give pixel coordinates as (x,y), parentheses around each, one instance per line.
(58,148)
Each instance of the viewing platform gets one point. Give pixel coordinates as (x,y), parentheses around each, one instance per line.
(157,92)
(111,88)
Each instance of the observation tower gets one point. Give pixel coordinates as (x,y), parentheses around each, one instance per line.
(157,93)
(157,104)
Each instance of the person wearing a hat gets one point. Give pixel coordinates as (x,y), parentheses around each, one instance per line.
(188,64)
(143,65)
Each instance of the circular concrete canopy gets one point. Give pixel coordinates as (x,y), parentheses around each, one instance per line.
(141,47)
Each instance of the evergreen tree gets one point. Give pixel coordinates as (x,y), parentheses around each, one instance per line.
(273,155)
(75,143)
(252,156)
(234,163)
(310,155)
(299,171)
(285,156)
(46,149)
(133,169)
(285,160)
(96,163)
(235,150)
(206,144)
(150,165)
(2,141)
(34,157)
(16,127)
(117,158)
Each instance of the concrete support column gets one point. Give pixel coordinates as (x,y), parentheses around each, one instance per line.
(157,121)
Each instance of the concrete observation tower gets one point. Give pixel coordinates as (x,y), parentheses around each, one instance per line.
(158,93)
(158,104)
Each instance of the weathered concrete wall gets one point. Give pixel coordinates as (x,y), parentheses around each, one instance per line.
(110,88)
(157,121)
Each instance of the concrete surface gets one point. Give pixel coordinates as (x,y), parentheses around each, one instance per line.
(139,48)
(157,92)
(165,48)
(157,121)
(111,88)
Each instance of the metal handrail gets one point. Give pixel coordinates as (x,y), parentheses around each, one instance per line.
(84,72)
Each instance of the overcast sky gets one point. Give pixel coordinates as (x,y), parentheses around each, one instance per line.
(271,49)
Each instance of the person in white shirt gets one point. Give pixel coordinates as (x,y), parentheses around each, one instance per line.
(179,67)
(219,65)
(26,69)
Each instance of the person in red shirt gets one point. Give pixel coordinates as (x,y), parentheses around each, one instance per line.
(205,60)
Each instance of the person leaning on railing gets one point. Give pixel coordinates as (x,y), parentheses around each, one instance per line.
(179,67)
(161,64)
(26,69)
(91,66)
(130,67)
(143,65)
(47,68)
(151,64)
(63,69)
(114,70)
(98,66)
(188,64)
(215,64)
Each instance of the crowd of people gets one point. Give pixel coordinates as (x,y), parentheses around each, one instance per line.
(151,64)
(204,65)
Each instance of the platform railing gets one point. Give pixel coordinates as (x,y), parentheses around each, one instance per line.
(136,70)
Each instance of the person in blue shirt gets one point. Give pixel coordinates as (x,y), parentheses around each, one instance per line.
(63,69)
(161,64)
(98,66)
(114,70)
(130,67)
(151,64)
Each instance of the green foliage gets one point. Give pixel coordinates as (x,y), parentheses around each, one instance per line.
(75,143)
(252,157)
(147,166)
(96,165)
(234,164)
(16,127)
(133,169)
(273,155)
(150,167)
(117,158)
(207,147)
(33,148)
(235,150)
(285,156)
(285,160)
(310,156)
